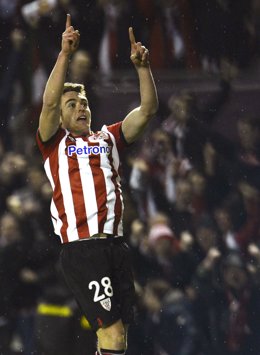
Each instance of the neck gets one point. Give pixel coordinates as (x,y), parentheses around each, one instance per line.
(85,133)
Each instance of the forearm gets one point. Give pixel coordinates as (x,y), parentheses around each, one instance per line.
(51,109)
(135,122)
(54,86)
(149,99)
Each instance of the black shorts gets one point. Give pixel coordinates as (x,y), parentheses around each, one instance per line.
(100,276)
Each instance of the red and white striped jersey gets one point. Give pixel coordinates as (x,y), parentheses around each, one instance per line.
(84,175)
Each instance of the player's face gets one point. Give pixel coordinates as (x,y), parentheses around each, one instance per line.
(75,113)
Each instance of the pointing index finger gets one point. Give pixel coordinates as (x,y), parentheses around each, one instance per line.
(68,21)
(131,35)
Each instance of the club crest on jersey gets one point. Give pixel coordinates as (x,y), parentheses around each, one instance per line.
(98,136)
(106,304)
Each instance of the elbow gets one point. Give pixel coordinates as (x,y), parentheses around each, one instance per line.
(150,111)
(155,109)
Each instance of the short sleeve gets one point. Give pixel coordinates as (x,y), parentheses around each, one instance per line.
(47,147)
(116,130)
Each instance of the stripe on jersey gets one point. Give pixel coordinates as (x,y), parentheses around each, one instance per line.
(89,194)
(110,191)
(57,196)
(57,222)
(99,180)
(78,198)
(65,186)
(118,206)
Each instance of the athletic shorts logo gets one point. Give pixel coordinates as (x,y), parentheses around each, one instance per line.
(106,304)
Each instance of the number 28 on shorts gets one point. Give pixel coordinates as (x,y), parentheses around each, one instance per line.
(103,292)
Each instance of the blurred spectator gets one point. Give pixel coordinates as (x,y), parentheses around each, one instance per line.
(200,203)
(27,203)
(174,36)
(80,67)
(12,167)
(253,263)
(237,160)
(181,213)
(178,331)
(152,249)
(88,16)
(8,12)
(18,291)
(90,19)
(248,153)
(113,51)
(166,27)
(207,237)
(228,163)
(148,22)
(168,321)
(179,34)
(232,308)
(237,223)
(163,247)
(45,14)
(153,174)
(189,126)
(15,90)
(223,30)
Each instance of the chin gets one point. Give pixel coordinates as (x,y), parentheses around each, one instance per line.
(82,131)
(85,132)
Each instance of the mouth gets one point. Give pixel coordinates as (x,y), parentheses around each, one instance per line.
(82,118)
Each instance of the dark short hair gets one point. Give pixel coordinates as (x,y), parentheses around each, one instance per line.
(74,87)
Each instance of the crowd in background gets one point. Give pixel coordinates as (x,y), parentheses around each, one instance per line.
(192,195)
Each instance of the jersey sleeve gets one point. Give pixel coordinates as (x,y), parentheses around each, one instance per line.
(116,130)
(47,147)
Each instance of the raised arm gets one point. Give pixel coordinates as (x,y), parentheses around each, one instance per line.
(136,121)
(50,114)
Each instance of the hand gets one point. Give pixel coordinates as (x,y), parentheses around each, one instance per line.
(45,7)
(186,241)
(209,153)
(137,227)
(70,38)
(249,193)
(139,54)
(254,251)
(28,276)
(213,255)
(140,164)
(17,38)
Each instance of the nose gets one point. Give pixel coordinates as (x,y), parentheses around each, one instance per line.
(82,107)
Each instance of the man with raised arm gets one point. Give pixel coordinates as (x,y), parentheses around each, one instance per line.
(87,204)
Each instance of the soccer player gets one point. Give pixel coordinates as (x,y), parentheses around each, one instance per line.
(87,205)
